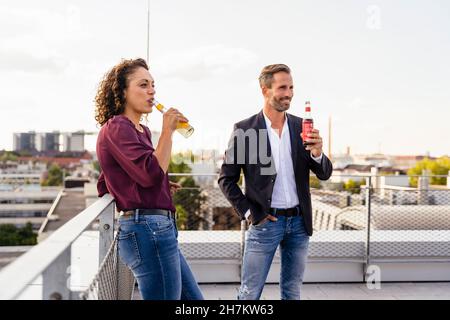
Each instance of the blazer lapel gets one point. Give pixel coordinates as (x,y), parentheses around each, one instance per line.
(294,132)
(261,125)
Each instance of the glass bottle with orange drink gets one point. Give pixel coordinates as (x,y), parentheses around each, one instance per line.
(184,128)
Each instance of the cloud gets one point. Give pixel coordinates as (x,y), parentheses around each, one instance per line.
(27,62)
(355,104)
(35,40)
(204,62)
(15,22)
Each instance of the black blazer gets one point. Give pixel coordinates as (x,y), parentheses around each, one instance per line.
(260,173)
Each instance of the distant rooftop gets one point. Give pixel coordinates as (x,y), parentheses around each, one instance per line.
(13,207)
(72,202)
(29,195)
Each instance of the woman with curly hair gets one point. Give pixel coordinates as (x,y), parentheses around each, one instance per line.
(135,174)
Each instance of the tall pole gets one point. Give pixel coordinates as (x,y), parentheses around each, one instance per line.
(329,137)
(148,29)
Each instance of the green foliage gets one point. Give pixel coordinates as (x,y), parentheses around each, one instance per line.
(55,176)
(314,182)
(25,153)
(8,156)
(354,187)
(96,166)
(178,165)
(439,166)
(188,199)
(181,217)
(10,235)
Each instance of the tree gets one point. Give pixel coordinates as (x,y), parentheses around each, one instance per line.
(181,217)
(188,199)
(55,176)
(96,166)
(440,166)
(25,153)
(8,156)
(314,182)
(10,235)
(354,187)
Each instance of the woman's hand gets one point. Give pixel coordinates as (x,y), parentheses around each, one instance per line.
(171,119)
(174,187)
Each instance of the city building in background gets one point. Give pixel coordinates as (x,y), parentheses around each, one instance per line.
(51,142)
(24,141)
(73,141)
(47,141)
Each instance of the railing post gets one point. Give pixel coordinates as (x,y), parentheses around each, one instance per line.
(106,229)
(368,206)
(448,180)
(106,238)
(56,278)
(423,186)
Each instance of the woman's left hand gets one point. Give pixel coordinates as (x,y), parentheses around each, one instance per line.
(174,187)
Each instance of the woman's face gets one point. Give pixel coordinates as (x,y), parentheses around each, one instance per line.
(140,92)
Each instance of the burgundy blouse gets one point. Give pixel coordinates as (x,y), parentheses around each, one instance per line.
(130,172)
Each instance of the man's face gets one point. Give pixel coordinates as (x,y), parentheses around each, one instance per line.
(281,93)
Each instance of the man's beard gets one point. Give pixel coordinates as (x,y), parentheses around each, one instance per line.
(278,105)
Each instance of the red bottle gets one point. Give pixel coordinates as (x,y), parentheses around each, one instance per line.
(307,124)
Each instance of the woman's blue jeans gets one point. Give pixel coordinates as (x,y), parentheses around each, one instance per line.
(148,245)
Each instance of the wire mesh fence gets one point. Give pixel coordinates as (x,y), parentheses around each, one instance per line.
(201,205)
(113,281)
(360,218)
(397,217)
(410,223)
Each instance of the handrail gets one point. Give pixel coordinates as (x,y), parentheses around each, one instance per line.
(42,255)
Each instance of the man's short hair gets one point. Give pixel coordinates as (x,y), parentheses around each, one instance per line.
(266,76)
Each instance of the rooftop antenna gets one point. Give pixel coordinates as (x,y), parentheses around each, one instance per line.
(148,30)
(329,137)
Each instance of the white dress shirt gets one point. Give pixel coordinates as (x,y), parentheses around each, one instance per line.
(284,193)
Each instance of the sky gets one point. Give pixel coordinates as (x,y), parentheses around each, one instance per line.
(379,69)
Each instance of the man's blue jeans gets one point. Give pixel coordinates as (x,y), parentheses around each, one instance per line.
(260,247)
(148,245)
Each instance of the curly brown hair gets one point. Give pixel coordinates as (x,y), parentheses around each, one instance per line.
(110,99)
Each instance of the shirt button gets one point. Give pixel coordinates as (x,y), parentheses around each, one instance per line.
(268,200)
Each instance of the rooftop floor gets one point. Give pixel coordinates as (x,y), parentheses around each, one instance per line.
(348,291)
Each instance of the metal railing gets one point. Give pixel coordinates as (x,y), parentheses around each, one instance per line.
(52,259)
(367,222)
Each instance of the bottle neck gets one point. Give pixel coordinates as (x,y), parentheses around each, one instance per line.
(308,112)
(160,107)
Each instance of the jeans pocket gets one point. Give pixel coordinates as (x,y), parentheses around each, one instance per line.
(263,223)
(160,226)
(129,250)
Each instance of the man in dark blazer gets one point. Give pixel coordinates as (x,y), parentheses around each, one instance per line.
(268,148)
